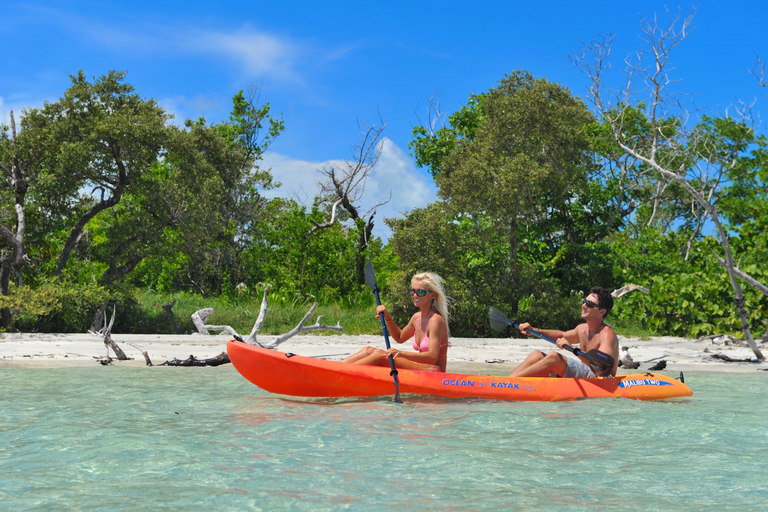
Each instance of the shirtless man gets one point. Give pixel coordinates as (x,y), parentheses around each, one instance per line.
(593,335)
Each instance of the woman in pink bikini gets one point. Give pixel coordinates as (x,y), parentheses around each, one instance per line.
(428,330)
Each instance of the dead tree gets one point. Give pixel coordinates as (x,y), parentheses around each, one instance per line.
(344,184)
(105,334)
(675,153)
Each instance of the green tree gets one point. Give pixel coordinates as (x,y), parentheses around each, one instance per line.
(296,265)
(520,204)
(532,141)
(93,144)
(431,145)
(205,200)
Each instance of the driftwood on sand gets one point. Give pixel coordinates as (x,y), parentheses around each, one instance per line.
(729,359)
(199,318)
(105,333)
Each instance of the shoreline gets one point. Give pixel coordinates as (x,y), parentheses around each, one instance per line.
(494,356)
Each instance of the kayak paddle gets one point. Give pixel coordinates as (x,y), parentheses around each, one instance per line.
(370,280)
(500,322)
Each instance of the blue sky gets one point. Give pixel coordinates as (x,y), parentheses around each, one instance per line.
(327,65)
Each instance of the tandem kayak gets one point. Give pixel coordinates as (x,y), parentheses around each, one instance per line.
(290,374)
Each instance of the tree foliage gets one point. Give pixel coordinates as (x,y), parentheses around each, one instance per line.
(538,201)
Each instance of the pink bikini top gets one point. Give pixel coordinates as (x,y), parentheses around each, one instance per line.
(424,345)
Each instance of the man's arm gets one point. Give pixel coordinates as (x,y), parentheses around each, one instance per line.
(571,336)
(607,351)
(607,338)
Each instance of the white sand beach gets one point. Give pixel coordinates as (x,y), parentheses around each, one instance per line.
(466,355)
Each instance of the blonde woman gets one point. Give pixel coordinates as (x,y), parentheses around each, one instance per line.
(428,330)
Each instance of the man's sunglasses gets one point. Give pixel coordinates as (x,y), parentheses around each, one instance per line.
(590,304)
(420,293)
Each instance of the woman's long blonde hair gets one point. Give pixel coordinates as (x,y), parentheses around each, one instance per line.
(435,284)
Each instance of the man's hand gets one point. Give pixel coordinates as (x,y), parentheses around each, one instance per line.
(525,327)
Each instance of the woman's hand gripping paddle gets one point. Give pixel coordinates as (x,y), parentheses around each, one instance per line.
(370,280)
(500,322)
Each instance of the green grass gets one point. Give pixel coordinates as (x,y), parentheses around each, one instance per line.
(356,315)
(241,313)
(630,329)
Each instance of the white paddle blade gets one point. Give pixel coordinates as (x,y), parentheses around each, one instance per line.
(499,321)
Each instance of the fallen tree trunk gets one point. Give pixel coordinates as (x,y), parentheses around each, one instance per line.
(729,359)
(218,360)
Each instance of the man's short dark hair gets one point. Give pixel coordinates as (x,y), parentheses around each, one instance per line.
(604,299)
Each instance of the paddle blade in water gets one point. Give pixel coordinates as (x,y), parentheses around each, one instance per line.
(499,321)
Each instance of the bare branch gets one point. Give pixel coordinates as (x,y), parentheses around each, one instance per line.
(345,183)
(260,320)
(317,226)
(372,209)
(745,277)
(200,317)
(629,288)
(435,117)
(301,328)
(758,70)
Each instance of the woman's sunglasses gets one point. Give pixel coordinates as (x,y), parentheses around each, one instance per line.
(590,304)
(420,293)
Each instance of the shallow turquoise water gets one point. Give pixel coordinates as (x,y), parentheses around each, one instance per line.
(110,438)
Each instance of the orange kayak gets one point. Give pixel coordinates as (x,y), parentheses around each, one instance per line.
(290,374)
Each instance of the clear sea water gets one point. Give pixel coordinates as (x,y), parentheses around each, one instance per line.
(110,438)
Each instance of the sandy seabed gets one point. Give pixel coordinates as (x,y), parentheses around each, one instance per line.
(466,355)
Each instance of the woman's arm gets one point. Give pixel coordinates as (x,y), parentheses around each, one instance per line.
(400,336)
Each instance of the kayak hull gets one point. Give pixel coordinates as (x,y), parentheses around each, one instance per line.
(289,374)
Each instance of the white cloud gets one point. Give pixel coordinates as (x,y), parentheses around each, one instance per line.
(259,53)
(394,173)
(256,53)
(182,107)
(298,178)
